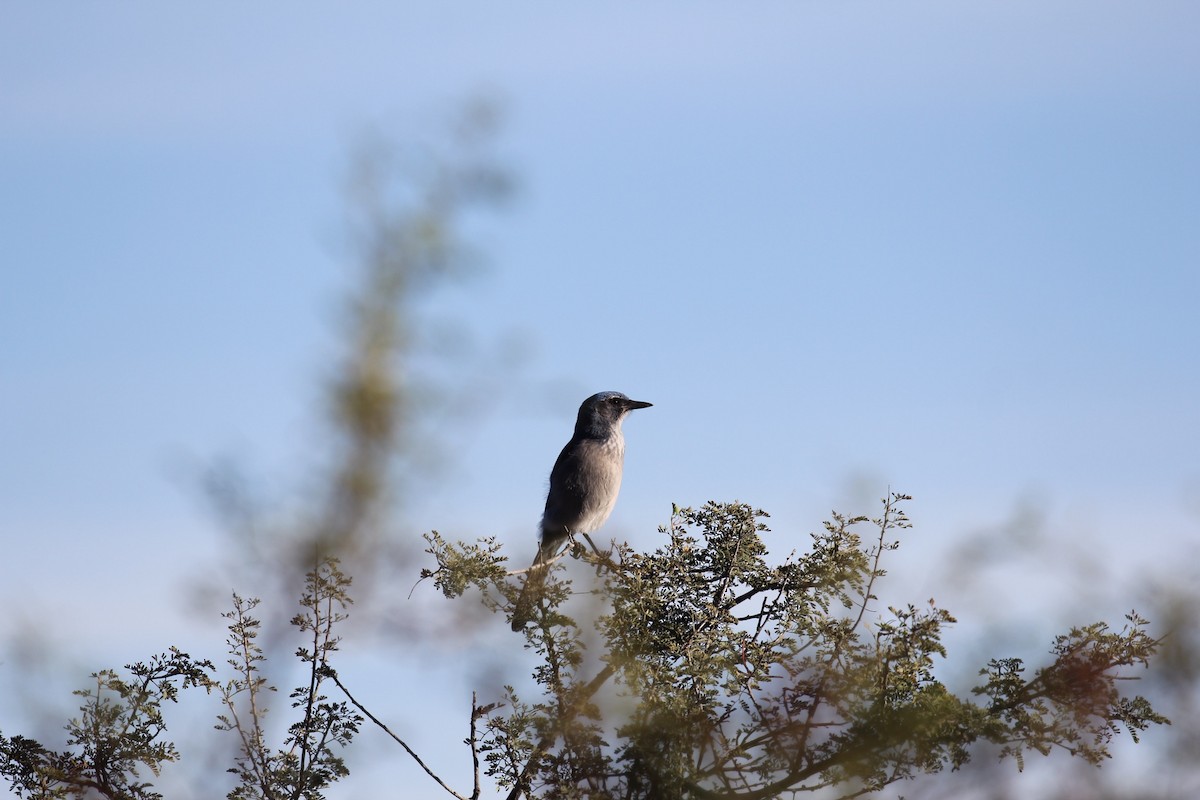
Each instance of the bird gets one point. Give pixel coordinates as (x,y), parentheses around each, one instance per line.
(584,484)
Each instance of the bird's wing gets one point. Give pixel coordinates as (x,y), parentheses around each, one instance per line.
(568,495)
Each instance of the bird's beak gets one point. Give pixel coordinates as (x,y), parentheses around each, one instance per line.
(632,404)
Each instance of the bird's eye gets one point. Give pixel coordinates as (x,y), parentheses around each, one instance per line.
(614,400)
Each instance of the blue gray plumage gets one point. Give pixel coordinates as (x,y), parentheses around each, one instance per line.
(583,487)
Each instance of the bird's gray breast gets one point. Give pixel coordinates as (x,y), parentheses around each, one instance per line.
(603,471)
(584,485)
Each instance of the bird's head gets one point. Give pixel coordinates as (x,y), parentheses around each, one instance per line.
(606,410)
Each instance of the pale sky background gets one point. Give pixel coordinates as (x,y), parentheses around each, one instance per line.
(951,248)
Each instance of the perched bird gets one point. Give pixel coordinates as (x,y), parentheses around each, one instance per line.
(583,486)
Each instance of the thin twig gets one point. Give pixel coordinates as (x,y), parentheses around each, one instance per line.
(540,565)
(474,748)
(333,674)
(884,525)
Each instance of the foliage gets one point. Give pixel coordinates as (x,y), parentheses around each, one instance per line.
(117,733)
(719,674)
(307,762)
(119,730)
(727,676)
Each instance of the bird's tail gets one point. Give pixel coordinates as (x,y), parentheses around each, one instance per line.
(535,579)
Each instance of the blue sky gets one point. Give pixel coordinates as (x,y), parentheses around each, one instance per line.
(950,248)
